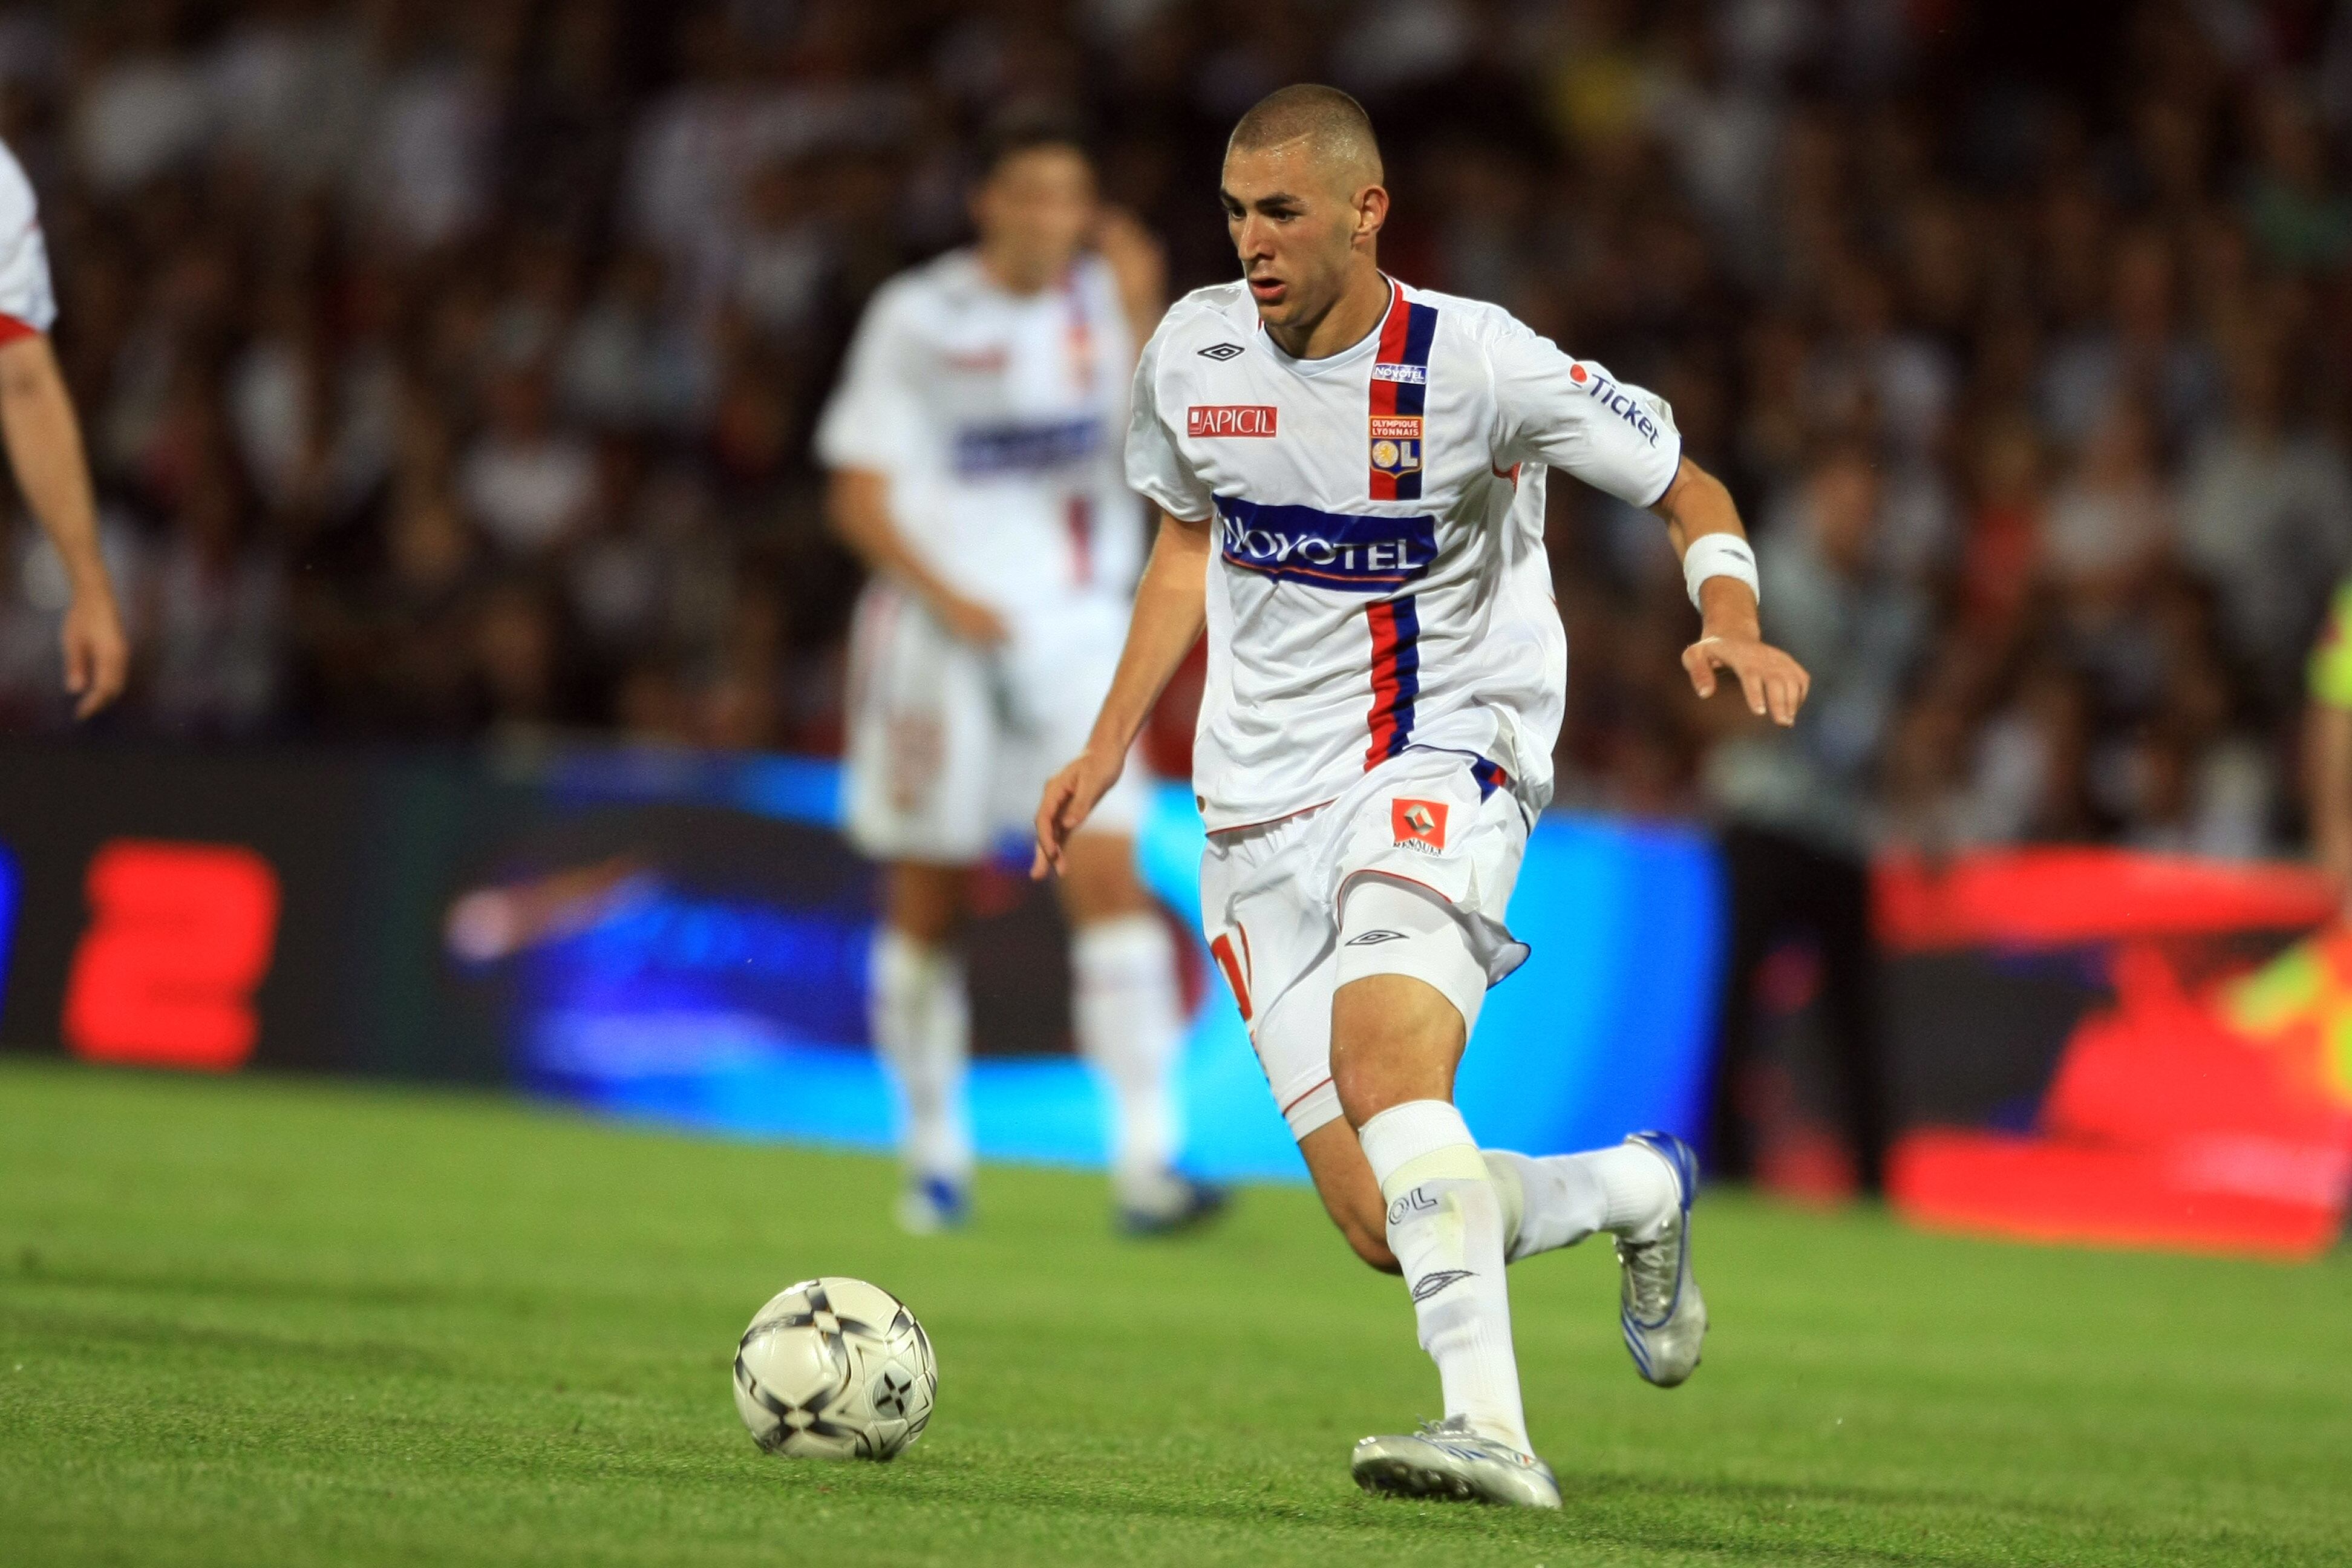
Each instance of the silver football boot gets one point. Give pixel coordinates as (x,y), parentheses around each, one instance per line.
(1663,1316)
(1447,1459)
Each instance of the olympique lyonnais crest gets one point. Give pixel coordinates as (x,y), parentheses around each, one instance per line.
(1418,822)
(1396,444)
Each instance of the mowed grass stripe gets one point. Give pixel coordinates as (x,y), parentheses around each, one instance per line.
(285,1321)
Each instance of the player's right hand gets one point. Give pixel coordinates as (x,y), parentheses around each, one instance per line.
(969,619)
(1071,796)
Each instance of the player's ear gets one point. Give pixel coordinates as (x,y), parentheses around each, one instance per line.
(1371,212)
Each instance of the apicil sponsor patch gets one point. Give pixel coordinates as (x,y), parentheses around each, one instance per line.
(1203,420)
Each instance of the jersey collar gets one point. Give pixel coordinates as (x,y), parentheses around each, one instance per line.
(1355,354)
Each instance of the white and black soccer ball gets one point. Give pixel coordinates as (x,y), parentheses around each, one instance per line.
(836,1369)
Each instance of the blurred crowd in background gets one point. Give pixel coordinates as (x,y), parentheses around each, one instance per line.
(451,365)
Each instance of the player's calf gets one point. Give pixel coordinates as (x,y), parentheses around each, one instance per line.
(1343,1180)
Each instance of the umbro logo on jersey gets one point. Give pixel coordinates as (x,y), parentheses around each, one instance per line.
(1209,419)
(1418,822)
(1374,938)
(1220,350)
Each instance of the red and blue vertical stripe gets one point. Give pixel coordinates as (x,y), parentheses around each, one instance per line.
(1396,676)
(1405,334)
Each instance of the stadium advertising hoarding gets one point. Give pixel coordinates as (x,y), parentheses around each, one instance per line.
(266,907)
(2190,1087)
(683,937)
(695,987)
(2090,1045)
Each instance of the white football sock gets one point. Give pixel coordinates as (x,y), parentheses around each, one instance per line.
(1563,1198)
(1445,1227)
(1130,1020)
(921,1021)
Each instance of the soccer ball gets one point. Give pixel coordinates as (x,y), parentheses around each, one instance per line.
(836,1369)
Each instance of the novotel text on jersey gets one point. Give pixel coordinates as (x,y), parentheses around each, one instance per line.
(1343,552)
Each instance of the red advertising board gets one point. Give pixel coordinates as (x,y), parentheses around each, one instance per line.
(2206,1104)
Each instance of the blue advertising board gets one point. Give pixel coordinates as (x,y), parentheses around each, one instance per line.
(745,1013)
(8,884)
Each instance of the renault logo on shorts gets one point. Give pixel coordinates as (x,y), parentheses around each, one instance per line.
(1418,822)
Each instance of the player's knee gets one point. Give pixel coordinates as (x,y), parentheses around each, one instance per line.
(925,902)
(1393,1038)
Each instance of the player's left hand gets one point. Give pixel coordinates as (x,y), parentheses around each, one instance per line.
(1774,684)
(1071,796)
(97,653)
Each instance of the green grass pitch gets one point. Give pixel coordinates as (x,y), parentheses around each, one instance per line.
(284,1323)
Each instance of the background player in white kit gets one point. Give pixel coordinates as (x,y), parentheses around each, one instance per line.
(44,449)
(1351,473)
(973,444)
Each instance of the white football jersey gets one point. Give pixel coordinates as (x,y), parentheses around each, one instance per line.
(27,303)
(1380,579)
(995,416)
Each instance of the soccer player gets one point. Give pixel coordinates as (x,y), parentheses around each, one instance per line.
(972,444)
(44,440)
(1351,473)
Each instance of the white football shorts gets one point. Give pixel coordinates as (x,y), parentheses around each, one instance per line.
(949,745)
(1410,872)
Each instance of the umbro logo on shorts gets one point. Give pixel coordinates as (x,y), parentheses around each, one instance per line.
(1220,350)
(1430,1284)
(1229,419)
(1374,938)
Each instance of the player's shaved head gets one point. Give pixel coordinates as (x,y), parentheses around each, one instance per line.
(1304,202)
(1331,127)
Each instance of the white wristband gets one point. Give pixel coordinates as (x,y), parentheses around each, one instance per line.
(1719,555)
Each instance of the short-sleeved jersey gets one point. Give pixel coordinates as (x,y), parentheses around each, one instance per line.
(1379,578)
(995,418)
(27,303)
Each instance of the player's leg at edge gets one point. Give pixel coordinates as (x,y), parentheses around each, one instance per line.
(921,1018)
(1395,1042)
(1128,1017)
(1412,1191)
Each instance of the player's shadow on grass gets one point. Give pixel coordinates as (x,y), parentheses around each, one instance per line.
(1603,1510)
(183,1285)
(181,1338)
